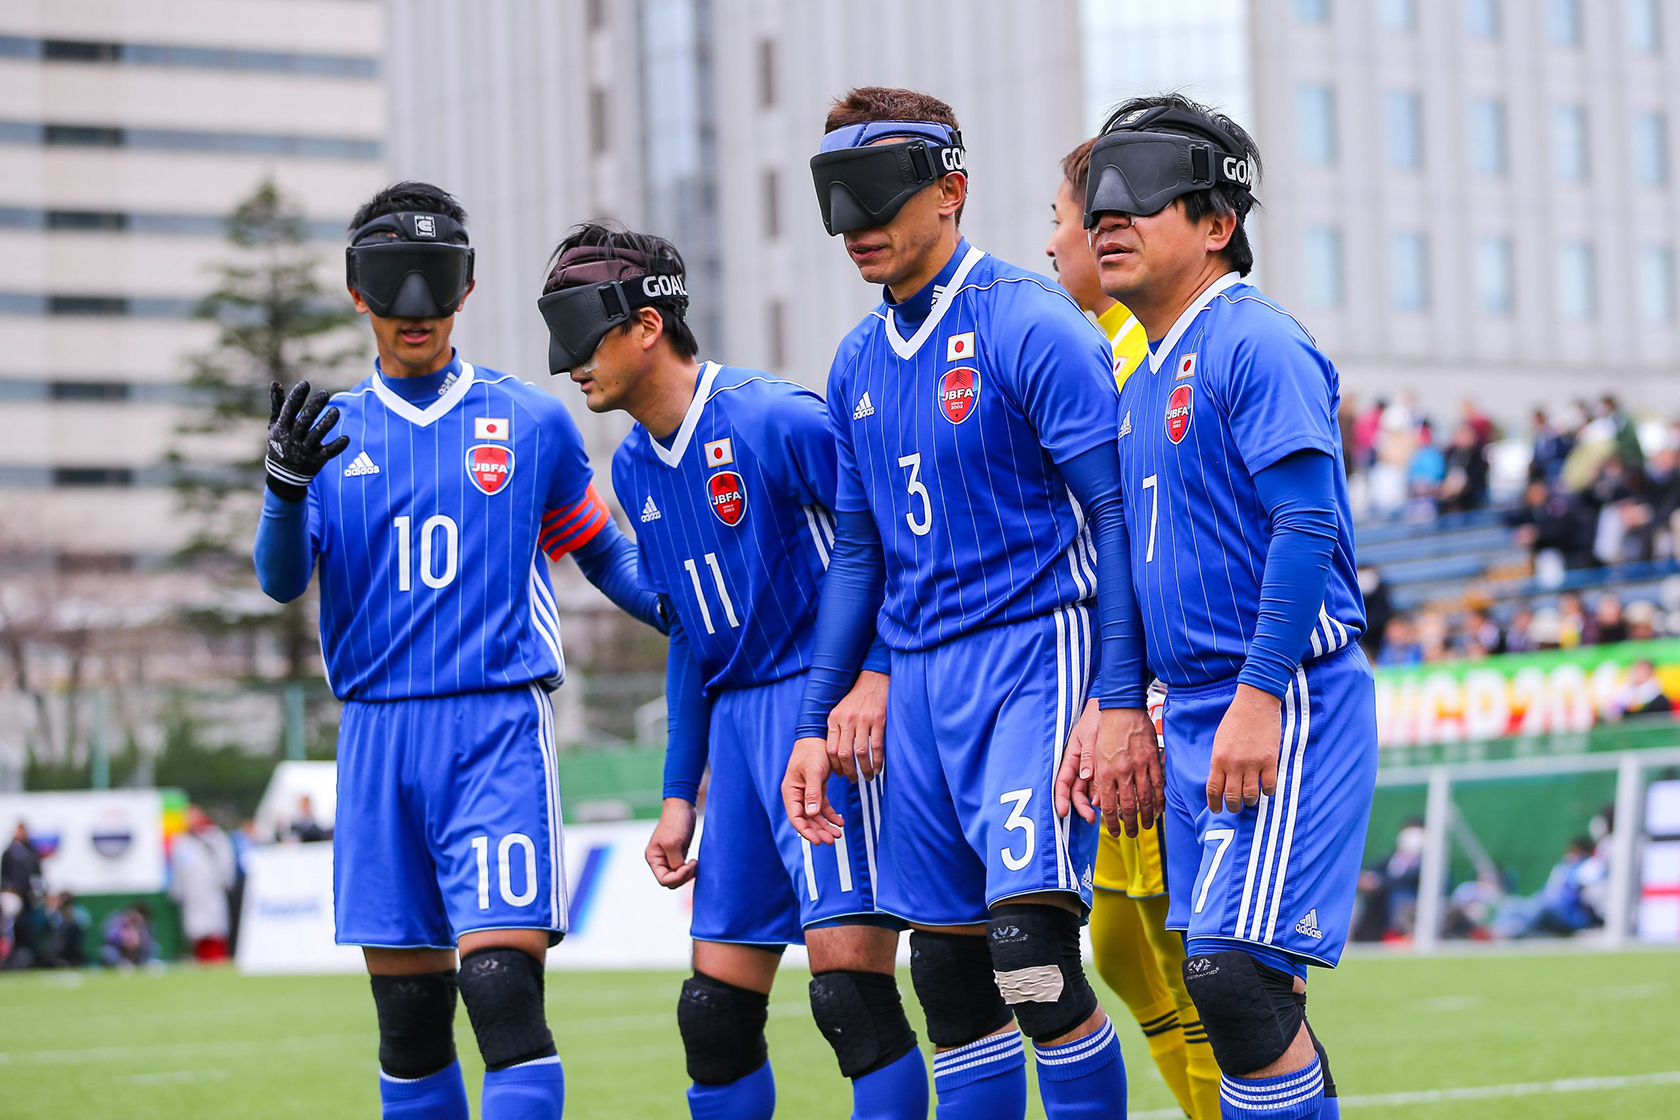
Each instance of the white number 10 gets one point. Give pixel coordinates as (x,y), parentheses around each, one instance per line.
(504,852)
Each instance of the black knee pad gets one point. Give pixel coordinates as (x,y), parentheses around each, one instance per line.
(1249,1009)
(722,1029)
(503,991)
(862,1017)
(1035,953)
(416,1023)
(952,974)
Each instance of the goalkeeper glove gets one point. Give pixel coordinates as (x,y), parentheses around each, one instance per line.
(295,451)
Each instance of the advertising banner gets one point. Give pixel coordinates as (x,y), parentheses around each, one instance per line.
(1525,694)
(93,841)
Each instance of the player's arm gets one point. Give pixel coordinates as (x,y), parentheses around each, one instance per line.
(298,425)
(687,718)
(608,560)
(1278,396)
(1063,376)
(806,463)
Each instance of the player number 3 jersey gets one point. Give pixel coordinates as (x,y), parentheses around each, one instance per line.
(1235,386)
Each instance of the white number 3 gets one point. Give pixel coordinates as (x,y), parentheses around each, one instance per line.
(1018,819)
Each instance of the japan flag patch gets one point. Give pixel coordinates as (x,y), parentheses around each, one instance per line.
(490,427)
(960,347)
(720,453)
(1186,367)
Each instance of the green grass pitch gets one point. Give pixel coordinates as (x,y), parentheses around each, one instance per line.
(1489,1037)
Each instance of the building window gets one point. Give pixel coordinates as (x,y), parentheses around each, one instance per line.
(599,128)
(1321,260)
(1569,143)
(187,140)
(1400,15)
(1650,148)
(772,205)
(88,390)
(1315,124)
(1404,110)
(1489,147)
(775,317)
(195,58)
(766,73)
(1577,281)
(1408,271)
(93,476)
(1656,283)
(1644,25)
(1563,22)
(1496,276)
(1481,19)
(1312,11)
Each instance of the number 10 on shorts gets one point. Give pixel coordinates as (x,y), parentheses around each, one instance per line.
(504,861)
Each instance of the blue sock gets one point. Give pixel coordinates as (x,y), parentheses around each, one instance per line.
(1298,1095)
(985,1080)
(1083,1078)
(1330,1108)
(440,1096)
(752,1097)
(533,1090)
(898,1091)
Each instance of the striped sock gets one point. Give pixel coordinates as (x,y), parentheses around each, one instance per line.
(1083,1078)
(533,1090)
(441,1095)
(1296,1095)
(985,1080)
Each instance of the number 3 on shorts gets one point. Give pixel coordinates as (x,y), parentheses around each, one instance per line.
(1018,819)
(504,861)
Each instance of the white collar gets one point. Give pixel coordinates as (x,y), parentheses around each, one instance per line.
(690,420)
(907,350)
(432,413)
(1158,354)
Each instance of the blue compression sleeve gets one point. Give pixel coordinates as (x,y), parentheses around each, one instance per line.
(688,716)
(851,599)
(1299,492)
(1094,478)
(282,550)
(608,561)
(879,657)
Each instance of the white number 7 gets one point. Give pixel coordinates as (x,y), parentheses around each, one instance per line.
(1223,836)
(1149,483)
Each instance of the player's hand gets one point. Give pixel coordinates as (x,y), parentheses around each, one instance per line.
(1073,777)
(667,849)
(805,793)
(1245,751)
(1126,770)
(296,441)
(857,727)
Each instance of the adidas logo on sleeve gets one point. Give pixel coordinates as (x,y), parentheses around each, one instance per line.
(361,465)
(650,512)
(865,407)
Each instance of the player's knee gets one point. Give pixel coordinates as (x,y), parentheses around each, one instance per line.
(722,1029)
(416,1023)
(952,974)
(1250,1010)
(503,991)
(1318,1047)
(862,1016)
(1035,954)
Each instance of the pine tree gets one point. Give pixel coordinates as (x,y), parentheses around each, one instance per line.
(275,323)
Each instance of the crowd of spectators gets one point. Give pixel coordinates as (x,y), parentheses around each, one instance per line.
(1586,488)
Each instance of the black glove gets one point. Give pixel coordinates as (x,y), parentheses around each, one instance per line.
(295,453)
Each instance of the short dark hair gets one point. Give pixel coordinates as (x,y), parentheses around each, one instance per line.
(666,261)
(889,103)
(1076,168)
(1221,198)
(409,197)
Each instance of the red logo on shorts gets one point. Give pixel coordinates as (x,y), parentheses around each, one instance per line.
(728,496)
(959,390)
(1178,413)
(490,467)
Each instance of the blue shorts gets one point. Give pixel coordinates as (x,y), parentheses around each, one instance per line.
(1281,874)
(758,881)
(975,730)
(448,819)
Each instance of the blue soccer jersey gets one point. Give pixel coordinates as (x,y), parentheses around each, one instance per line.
(735,521)
(951,437)
(1235,386)
(426,533)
